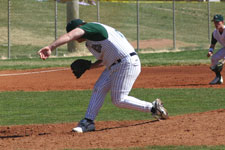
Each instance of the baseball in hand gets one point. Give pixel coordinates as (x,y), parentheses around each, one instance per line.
(44,53)
(47,52)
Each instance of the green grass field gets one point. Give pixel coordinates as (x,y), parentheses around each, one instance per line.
(70,106)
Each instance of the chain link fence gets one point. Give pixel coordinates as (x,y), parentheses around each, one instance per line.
(150,26)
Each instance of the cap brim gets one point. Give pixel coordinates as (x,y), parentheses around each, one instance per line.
(216,20)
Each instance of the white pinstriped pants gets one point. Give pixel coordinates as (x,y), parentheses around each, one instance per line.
(119,79)
(220,54)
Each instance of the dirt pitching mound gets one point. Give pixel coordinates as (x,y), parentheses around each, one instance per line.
(192,129)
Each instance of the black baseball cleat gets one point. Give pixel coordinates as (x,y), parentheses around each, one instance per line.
(217,80)
(85,125)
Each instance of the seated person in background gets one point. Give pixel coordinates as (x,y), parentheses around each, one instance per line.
(90,2)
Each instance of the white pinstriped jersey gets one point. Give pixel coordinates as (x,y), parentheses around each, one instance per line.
(111,49)
(219,37)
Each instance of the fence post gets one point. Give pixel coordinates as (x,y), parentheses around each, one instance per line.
(9,40)
(209,37)
(174,26)
(72,13)
(56,21)
(138,34)
(98,11)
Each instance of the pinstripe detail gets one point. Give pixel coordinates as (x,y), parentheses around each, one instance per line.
(119,80)
(114,48)
(124,80)
(101,88)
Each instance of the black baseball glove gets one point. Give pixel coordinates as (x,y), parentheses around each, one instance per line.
(79,66)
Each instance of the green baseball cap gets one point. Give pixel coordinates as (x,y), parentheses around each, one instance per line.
(73,24)
(218,18)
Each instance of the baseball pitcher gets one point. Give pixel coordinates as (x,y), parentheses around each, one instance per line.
(122,67)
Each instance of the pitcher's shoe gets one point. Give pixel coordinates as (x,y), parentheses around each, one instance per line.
(217,80)
(158,111)
(85,125)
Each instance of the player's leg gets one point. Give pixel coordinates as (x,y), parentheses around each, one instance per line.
(217,67)
(100,90)
(123,77)
(220,54)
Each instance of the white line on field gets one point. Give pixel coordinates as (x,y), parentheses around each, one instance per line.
(35,72)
